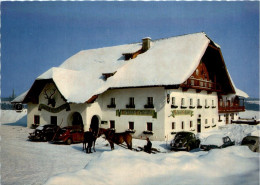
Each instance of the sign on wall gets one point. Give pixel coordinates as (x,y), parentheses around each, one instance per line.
(54,110)
(136,112)
(181,113)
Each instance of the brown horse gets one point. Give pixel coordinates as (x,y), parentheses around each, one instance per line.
(117,138)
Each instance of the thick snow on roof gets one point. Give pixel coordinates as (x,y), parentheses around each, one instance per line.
(75,86)
(167,62)
(20,98)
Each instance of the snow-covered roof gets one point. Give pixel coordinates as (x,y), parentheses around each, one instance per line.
(20,98)
(168,61)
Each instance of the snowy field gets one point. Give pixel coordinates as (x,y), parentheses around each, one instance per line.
(32,163)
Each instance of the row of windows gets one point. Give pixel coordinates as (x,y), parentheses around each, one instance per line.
(150,102)
(131,103)
(191,124)
(149,125)
(191,102)
(53,120)
(131,125)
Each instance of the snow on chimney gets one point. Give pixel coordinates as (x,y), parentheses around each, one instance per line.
(146,43)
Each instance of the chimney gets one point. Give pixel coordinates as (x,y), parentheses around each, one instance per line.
(146,43)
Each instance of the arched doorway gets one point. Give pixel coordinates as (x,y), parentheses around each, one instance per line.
(76,119)
(94,125)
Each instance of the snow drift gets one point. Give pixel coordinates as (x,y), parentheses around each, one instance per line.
(233,165)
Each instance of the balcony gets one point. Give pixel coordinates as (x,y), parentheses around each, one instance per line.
(200,85)
(228,109)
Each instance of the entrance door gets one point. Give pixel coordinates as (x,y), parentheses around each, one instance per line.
(94,124)
(198,125)
(77,119)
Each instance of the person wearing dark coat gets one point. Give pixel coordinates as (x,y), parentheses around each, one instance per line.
(148,147)
(90,139)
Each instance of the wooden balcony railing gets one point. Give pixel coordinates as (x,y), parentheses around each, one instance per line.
(228,109)
(200,85)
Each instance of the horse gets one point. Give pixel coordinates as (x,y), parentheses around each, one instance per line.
(89,135)
(118,138)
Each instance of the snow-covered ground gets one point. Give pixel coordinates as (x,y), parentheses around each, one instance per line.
(25,162)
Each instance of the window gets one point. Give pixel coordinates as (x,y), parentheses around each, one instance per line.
(212,120)
(206,121)
(36,119)
(232,116)
(173,105)
(149,126)
(191,102)
(198,104)
(191,124)
(131,103)
(112,124)
(212,102)
(182,125)
(112,103)
(131,125)
(150,100)
(54,120)
(173,125)
(182,102)
(149,103)
(173,100)
(206,104)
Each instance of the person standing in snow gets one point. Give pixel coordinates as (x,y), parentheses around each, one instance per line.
(148,147)
(90,140)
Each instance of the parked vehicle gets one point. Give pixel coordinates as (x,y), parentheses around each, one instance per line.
(216,141)
(252,142)
(44,133)
(71,134)
(185,141)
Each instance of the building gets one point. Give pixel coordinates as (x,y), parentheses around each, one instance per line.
(153,88)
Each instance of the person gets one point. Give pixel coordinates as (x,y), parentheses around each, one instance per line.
(148,147)
(90,141)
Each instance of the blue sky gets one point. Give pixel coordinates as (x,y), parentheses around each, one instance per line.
(36,36)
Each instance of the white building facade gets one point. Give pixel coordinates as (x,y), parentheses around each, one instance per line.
(133,92)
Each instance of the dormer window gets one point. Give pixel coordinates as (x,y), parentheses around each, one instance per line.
(107,75)
(128,56)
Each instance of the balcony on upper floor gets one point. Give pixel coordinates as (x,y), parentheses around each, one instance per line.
(200,84)
(228,107)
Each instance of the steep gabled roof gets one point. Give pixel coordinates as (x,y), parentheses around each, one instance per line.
(169,61)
